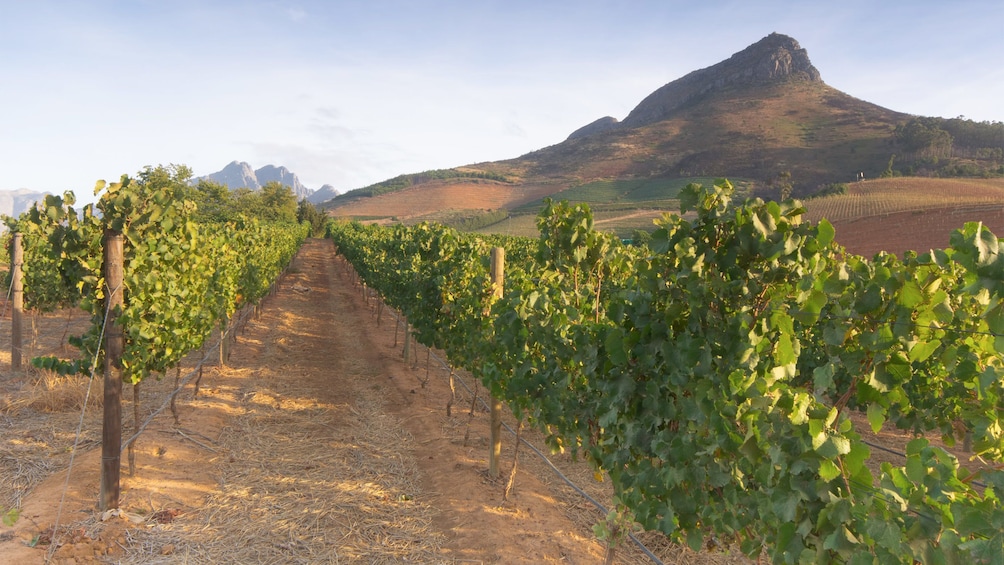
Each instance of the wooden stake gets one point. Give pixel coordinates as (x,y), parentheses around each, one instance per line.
(515,461)
(428,361)
(453,395)
(498,280)
(223,342)
(407,342)
(174,407)
(131,450)
(17,295)
(111,431)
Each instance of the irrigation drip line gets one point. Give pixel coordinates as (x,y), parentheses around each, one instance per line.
(904,456)
(540,454)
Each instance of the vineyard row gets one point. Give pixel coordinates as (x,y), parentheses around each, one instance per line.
(712,374)
(156,280)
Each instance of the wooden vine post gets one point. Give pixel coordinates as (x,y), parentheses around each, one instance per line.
(498,278)
(407,341)
(224,346)
(17,297)
(111,432)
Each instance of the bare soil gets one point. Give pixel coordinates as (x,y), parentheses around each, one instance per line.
(316,443)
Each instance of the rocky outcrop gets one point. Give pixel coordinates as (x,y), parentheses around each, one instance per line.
(601,125)
(322,195)
(282,175)
(239,174)
(775,58)
(16,202)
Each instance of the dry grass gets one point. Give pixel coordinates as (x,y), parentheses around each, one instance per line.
(40,410)
(48,392)
(304,482)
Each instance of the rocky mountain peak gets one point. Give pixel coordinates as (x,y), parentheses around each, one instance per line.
(323,194)
(239,174)
(283,176)
(775,58)
(603,124)
(16,202)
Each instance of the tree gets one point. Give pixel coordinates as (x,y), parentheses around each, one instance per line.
(784,185)
(173,177)
(307,212)
(278,202)
(889,172)
(214,201)
(924,137)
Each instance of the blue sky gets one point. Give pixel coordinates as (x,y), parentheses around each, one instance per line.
(348,92)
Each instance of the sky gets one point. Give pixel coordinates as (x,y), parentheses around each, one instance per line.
(352,92)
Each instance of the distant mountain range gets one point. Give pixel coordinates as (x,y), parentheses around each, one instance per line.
(16,202)
(239,174)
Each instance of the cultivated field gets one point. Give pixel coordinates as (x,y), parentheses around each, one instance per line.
(909,213)
(429,199)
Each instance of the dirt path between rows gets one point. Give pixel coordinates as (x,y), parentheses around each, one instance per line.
(317,443)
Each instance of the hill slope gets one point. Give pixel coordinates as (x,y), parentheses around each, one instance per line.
(764,117)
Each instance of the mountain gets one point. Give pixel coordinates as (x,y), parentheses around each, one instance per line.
(774,59)
(323,194)
(239,174)
(283,176)
(764,110)
(763,118)
(236,175)
(15,202)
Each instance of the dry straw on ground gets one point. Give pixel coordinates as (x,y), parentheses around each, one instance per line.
(298,485)
(38,418)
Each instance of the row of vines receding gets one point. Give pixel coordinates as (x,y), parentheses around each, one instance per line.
(183,274)
(713,373)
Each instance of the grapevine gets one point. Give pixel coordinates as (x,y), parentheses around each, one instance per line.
(713,374)
(181,276)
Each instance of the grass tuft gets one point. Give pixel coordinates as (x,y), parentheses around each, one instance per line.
(50,392)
